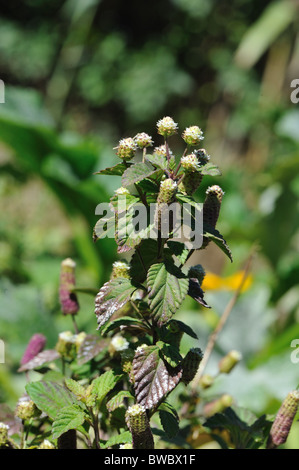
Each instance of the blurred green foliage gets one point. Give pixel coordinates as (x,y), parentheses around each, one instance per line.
(81,74)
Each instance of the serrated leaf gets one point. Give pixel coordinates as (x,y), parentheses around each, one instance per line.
(122,203)
(91,346)
(70,417)
(76,388)
(117,400)
(214,235)
(112,297)
(133,226)
(40,359)
(50,397)
(157,160)
(137,172)
(121,322)
(123,438)
(144,256)
(169,419)
(167,289)
(104,384)
(116,170)
(153,377)
(170,353)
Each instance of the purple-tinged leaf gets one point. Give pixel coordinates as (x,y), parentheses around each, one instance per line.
(90,348)
(40,359)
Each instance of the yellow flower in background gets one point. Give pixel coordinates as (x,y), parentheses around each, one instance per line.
(214,282)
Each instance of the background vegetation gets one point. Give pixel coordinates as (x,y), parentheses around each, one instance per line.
(80,75)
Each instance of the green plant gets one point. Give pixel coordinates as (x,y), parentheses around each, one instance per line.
(106,390)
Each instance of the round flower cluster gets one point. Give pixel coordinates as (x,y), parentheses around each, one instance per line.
(126,148)
(167,127)
(122,191)
(119,343)
(135,410)
(143,140)
(190,163)
(192,135)
(162,151)
(120,269)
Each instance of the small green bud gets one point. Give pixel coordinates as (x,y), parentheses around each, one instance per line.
(206,381)
(167,127)
(197,272)
(126,358)
(66,345)
(26,409)
(120,269)
(3,434)
(218,405)
(46,445)
(211,208)
(122,191)
(192,135)
(143,140)
(138,424)
(282,424)
(228,362)
(126,149)
(190,365)
(168,188)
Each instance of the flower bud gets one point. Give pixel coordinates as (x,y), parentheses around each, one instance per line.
(66,345)
(190,183)
(46,445)
(228,362)
(167,127)
(68,299)
(190,365)
(3,434)
(192,135)
(168,188)
(218,405)
(143,140)
(26,409)
(202,156)
(120,269)
(34,347)
(138,424)
(126,358)
(212,204)
(122,191)
(126,149)
(206,381)
(197,272)
(282,424)
(190,163)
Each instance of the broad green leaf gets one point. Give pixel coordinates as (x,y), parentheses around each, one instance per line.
(118,399)
(112,296)
(167,289)
(144,256)
(50,397)
(185,328)
(122,203)
(116,170)
(157,160)
(179,250)
(120,322)
(104,384)
(153,377)
(70,417)
(169,419)
(123,438)
(133,226)
(137,172)
(210,169)
(170,353)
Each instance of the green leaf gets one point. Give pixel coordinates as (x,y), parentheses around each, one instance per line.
(70,417)
(144,256)
(112,296)
(170,353)
(169,419)
(76,388)
(120,322)
(153,377)
(185,328)
(133,226)
(50,397)
(179,250)
(103,384)
(116,170)
(210,169)
(117,400)
(123,438)
(137,172)
(157,160)
(167,289)
(122,203)
(213,235)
